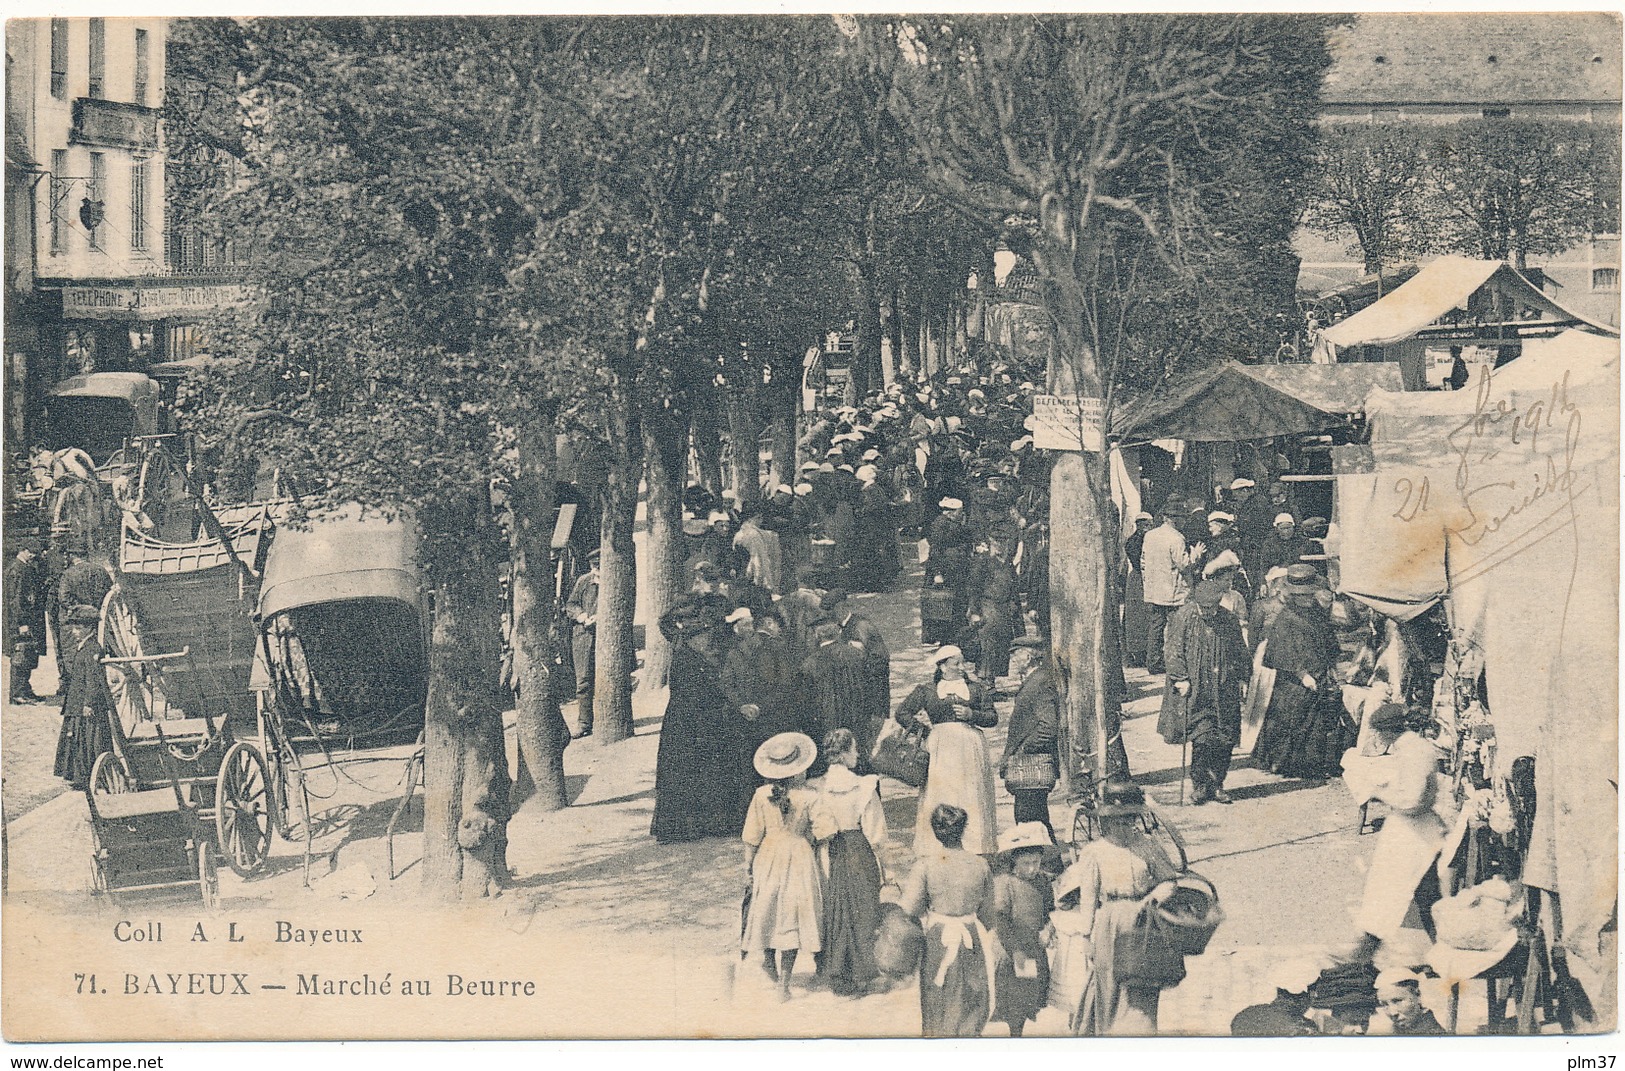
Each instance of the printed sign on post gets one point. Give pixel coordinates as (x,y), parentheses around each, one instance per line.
(1068,422)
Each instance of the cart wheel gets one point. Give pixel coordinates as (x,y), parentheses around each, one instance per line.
(98,876)
(1083,825)
(242,816)
(108,776)
(208,876)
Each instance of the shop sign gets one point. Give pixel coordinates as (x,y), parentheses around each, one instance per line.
(1068,422)
(114,123)
(150,302)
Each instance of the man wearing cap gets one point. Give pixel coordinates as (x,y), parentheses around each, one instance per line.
(1163,562)
(1284,547)
(949,541)
(1399,998)
(24,620)
(582,610)
(759,677)
(1302,734)
(1207,669)
(1034,730)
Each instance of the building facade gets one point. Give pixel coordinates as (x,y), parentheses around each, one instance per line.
(89,286)
(1441,68)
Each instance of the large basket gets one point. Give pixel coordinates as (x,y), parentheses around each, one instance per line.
(899,941)
(901,755)
(1186,912)
(1023,773)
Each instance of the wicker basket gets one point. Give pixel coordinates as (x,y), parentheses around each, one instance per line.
(1027,772)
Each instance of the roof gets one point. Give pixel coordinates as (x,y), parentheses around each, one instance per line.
(1447,58)
(1438,288)
(1234,402)
(132,387)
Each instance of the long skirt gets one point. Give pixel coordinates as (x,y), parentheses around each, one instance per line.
(851,911)
(1305,733)
(961,774)
(1104,1009)
(78,745)
(958,1005)
(1134,626)
(786,897)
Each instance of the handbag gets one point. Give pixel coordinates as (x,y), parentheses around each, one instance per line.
(1029,772)
(901,755)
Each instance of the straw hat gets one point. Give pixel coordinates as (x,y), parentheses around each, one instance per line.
(785,755)
(1025,835)
(945,653)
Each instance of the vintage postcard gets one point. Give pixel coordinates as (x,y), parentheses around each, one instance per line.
(811,526)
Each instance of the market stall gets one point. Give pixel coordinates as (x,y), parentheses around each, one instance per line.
(1500,503)
(1453,308)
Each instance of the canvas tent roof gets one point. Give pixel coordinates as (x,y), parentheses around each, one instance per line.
(1438,288)
(1234,402)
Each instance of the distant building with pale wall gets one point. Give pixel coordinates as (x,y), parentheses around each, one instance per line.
(1440,68)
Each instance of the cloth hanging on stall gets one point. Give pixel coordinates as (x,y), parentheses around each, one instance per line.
(1509,488)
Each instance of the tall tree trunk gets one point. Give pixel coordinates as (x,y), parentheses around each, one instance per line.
(615,649)
(745,433)
(465,775)
(708,445)
(782,425)
(1082,527)
(664,442)
(543,734)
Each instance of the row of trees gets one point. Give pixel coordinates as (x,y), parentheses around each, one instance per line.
(478,234)
(1495,189)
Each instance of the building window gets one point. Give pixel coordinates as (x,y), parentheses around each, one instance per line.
(98,58)
(59,59)
(93,191)
(142,62)
(1605,278)
(138,205)
(59,193)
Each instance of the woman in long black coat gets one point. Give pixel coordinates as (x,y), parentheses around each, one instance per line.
(87,703)
(698,767)
(1305,731)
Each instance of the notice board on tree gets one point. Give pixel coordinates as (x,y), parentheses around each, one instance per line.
(1068,422)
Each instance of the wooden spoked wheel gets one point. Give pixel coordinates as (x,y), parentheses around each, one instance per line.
(120,635)
(242,815)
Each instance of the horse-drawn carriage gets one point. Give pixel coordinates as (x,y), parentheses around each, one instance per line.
(215,647)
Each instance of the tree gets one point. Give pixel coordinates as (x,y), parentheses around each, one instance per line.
(1369,184)
(393,192)
(1149,165)
(1508,188)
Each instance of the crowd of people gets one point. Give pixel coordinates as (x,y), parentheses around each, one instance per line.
(1229,597)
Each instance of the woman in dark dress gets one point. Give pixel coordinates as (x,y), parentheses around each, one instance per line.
(702,740)
(951,893)
(87,703)
(1304,732)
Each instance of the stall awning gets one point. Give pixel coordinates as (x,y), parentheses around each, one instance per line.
(1234,402)
(1438,288)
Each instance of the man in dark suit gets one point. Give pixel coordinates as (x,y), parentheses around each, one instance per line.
(24,621)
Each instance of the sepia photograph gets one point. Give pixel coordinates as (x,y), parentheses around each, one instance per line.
(549,527)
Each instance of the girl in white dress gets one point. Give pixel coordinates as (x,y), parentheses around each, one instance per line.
(786,889)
